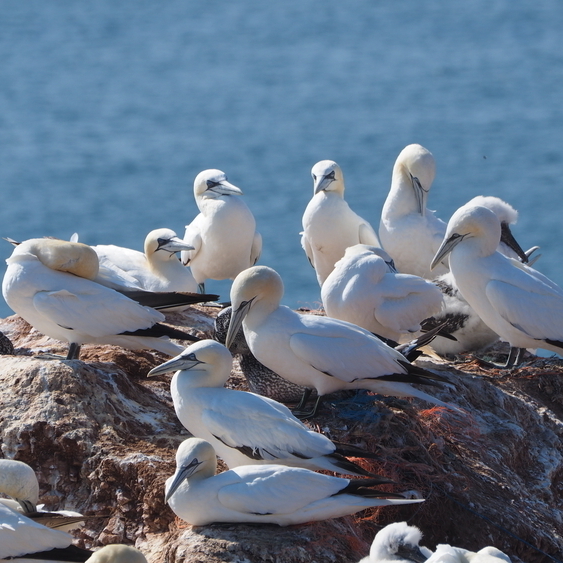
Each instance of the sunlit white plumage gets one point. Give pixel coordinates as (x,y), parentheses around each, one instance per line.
(363,289)
(260,379)
(20,535)
(50,284)
(274,494)
(329,225)
(156,269)
(517,302)
(408,231)
(445,553)
(19,482)
(242,427)
(471,333)
(397,543)
(317,352)
(223,235)
(117,553)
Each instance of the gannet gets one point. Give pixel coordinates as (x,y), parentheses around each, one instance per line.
(274,494)
(329,225)
(223,235)
(409,231)
(470,332)
(245,428)
(363,290)
(20,535)
(260,379)
(445,553)
(50,284)
(117,553)
(397,543)
(18,481)
(522,306)
(157,269)
(317,352)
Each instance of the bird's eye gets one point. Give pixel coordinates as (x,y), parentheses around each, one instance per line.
(191,357)
(212,184)
(330,175)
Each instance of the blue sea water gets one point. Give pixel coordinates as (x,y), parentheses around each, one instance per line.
(108,111)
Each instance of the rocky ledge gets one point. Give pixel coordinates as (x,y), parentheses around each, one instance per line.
(102,438)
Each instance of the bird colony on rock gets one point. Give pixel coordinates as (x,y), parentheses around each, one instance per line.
(377,289)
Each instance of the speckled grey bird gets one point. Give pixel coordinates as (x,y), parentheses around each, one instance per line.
(260,379)
(6,346)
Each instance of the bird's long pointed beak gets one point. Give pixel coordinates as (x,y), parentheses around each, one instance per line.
(182,474)
(174,244)
(420,194)
(321,183)
(445,248)
(507,237)
(236,321)
(226,188)
(181,362)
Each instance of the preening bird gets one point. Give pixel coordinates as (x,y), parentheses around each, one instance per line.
(397,543)
(49,283)
(245,428)
(522,306)
(365,290)
(408,230)
(329,225)
(271,494)
(223,235)
(317,352)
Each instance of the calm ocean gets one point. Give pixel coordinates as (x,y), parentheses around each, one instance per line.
(108,110)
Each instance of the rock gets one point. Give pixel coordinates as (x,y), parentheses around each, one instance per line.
(102,439)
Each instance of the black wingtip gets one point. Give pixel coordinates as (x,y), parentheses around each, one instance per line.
(350,468)
(362,487)
(71,553)
(167,299)
(350,450)
(159,329)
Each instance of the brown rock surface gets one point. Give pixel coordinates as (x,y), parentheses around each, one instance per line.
(102,438)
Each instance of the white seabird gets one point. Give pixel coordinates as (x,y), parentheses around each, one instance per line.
(363,290)
(50,284)
(117,553)
(317,352)
(329,225)
(18,481)
(260,379)
(409,231)
(245,428)
(270,494)
(156,269)
(522,306)
(19,535)
(445,553)
(397,543)
(223,235)
(470,332)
